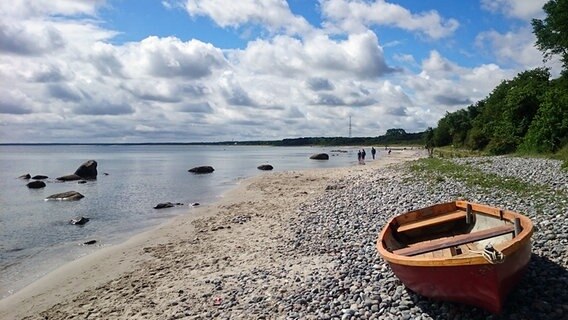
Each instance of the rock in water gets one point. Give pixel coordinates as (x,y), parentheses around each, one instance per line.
(320,156)
(87,171)
(39,177)
(79,220)
(69,177)
(164,205)
(90,242)
(36,185)
(66,196)
(265,167)
(201,169)
(25,176)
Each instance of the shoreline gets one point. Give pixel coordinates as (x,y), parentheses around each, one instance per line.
(112,263)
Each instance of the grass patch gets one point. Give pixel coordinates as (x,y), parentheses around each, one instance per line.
(451,152)
(562,154)
(440,170)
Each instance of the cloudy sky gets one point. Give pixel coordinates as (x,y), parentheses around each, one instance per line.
(216,70)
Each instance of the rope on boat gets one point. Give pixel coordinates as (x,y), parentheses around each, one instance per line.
(491,255)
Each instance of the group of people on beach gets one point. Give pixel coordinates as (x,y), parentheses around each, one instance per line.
(361,155)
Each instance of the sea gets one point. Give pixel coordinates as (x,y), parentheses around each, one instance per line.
(36,236)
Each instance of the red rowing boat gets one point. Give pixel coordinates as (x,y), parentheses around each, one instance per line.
(459,251)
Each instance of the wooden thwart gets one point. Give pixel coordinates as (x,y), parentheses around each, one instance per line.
(443,243)
(455,215)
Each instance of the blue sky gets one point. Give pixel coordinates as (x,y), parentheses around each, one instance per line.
(196,70)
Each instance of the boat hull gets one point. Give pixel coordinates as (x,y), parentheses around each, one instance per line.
(481,285)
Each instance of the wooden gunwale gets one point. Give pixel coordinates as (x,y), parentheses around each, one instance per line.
(506,248)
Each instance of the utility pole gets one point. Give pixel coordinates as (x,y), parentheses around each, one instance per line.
(349,126)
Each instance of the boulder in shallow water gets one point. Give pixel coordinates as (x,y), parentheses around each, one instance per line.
(79,220)
(39,177)
(69,177)
(167,205)
(320,156)
(164,205)
(90,242)
(265,167)
(36,185)
(66,196)
(86,171)
(26,176)
(201,169)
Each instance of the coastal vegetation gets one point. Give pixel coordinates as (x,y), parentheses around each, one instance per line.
(527,115)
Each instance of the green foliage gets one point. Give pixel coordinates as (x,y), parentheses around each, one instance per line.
(528,114)
(498,123)
(562,154)
(395,132)
(552,32)
(549,130)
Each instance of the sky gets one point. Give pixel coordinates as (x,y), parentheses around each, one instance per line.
(130,71)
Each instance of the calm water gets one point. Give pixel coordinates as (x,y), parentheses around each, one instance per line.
(35,236)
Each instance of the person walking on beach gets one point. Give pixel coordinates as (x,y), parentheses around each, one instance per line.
(359,156)
(363,154)
(373,152)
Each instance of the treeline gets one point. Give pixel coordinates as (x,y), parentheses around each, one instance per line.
(395,136)
(526,114)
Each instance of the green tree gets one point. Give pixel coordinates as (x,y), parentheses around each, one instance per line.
(442,136)
(395,132)
(549,131)
(552,32)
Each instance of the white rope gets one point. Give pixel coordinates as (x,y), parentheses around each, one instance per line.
(491,255)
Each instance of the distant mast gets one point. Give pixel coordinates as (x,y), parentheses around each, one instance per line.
(349,126)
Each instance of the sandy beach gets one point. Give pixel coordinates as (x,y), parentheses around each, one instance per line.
(168,271)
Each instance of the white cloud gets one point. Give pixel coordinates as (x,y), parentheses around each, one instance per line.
(171,57)
(356,16)
(516,47)
(40,8)
(272,14)
(360,55)
(520,9)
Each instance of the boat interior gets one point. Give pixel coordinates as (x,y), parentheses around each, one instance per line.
(450,230)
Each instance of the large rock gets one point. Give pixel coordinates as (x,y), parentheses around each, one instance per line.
(265,167)
(86,171)
(201,169)
(39,177)
(66,196)
(320,156)
(36,184)
(26,176)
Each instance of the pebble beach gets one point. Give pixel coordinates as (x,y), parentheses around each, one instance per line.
(301,245)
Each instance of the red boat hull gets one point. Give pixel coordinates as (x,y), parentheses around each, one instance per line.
(481,285)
